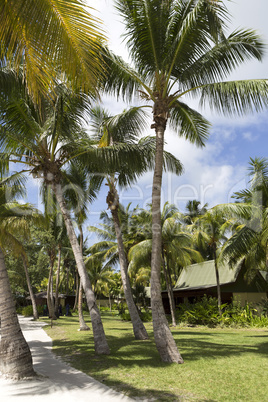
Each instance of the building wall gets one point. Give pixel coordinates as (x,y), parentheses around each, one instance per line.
(252,298)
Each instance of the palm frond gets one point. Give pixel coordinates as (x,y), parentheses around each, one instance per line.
(235,97)
(51,36)
(189,123)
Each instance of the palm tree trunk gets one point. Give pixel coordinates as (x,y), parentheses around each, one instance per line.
(138,326)
(170,293)
(217,280)
(50,301)
(76,290)
(35,312)
(164,340)
(101,345)
(57,281)
(82,323)
(15,354)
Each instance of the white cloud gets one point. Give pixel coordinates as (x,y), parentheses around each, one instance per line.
(249,136)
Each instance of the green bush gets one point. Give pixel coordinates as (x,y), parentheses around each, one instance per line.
(104,308)
(146,316)
(205,312)
(125,316)
(27,311)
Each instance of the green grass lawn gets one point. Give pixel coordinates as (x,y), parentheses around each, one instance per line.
(220,364)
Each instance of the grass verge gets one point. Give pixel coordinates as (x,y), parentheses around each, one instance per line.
(220,364)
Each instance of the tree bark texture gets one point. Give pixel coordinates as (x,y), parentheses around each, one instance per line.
(15,354)
(82,324)
(164,340)
(137,324)
(101,345)
(35,312)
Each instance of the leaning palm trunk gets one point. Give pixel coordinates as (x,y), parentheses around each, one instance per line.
(138,326)
(170,293)
(15,355)
(82,323)
(164,340)
(101,346)
(35,312)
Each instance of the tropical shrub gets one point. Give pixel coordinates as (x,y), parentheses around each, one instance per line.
(27,311)
(205,312)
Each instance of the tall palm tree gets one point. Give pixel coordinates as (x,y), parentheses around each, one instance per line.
(50,37)
(125,127)
(83,190)
(110,130)
(15,355)
(179,48)
(45,147)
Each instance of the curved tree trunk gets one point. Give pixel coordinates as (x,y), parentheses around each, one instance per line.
(82,324)
(35,312)
(138,326)
(15,354)
(57,281)
(164,340)
(170,293)
(101,345)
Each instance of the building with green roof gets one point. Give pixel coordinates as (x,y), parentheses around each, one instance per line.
(198,280)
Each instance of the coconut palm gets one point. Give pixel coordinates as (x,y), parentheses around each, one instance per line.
(45,146)
(193,210)
(126,127)
(15,355)
(179,48)
(50,37)
(82,191)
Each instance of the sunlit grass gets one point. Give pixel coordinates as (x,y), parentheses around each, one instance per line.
(220,364)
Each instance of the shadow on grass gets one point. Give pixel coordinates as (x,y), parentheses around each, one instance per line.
(128,353)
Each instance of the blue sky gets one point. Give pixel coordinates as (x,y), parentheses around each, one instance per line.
(211,174)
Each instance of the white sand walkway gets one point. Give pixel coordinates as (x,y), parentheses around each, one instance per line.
(57,381)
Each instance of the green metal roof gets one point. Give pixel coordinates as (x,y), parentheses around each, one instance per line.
(202,275)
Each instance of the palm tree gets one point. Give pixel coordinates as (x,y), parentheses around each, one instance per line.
(45,147)
(83,190)
(125,127)
(193,211)
(179,48)
(50,37)
(15,355)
